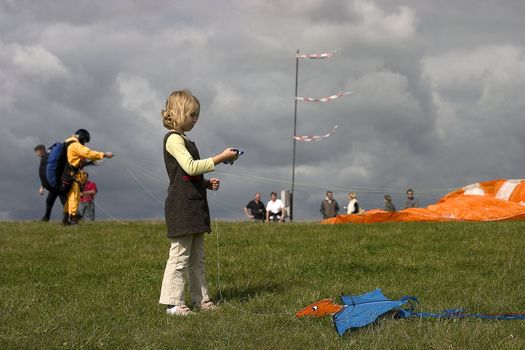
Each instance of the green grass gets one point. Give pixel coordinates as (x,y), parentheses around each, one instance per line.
(97,285)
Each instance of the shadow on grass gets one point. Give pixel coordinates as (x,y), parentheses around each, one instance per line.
(246,293)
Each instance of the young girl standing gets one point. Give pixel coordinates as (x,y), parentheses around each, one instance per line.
(186,208)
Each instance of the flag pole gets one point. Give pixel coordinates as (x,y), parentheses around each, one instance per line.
(294,133)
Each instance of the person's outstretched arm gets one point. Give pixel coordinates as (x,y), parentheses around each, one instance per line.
(176,147)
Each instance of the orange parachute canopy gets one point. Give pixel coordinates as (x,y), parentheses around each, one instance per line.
(496,200)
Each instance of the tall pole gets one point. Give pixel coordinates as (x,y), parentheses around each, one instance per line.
(294,132)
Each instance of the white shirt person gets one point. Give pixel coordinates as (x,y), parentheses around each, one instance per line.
(274,209)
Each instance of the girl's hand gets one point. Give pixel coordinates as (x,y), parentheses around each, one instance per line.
(213,184)
(230,154)
(227,155)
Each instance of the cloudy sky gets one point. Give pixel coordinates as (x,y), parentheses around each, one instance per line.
(438,96)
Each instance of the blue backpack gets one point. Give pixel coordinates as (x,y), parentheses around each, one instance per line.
(59,180)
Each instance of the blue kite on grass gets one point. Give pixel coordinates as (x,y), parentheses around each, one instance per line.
(361,310)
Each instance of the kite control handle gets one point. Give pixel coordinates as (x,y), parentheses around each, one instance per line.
(239,153)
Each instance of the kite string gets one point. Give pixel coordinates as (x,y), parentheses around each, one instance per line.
(222,298)
(421,191)
(152,175)
(139,182)
(108,214)
(219,285)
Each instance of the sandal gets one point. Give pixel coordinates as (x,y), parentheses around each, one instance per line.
(208,306)
(179,310)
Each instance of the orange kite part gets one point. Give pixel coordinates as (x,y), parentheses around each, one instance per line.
(318,309)
(496,200)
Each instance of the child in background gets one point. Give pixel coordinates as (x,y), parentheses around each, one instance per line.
(186,207)
(87,199)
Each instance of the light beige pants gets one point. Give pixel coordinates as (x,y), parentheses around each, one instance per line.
(186,255)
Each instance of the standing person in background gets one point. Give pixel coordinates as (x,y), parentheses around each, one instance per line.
(353,204)
(77,156)
(255,209)
(411,201)
(40,151)
(389,205)
(87,199)
(274,209)
(329,206)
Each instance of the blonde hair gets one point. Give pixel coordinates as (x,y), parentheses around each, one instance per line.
(352,195)
(179,106)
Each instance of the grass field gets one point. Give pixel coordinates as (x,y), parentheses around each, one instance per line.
(97,285)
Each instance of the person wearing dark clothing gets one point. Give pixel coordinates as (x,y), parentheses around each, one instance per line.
(389,205)
(255,209)
(329,206)
(40,151)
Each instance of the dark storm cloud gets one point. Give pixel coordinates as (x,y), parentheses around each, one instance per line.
(437,95)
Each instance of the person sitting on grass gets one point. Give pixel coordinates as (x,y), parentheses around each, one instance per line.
(274,209)
(411,201)
(255,209)
(389,205)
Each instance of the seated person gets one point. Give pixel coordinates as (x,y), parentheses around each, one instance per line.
(411,201)
(274,209)
(389,205)
(255,210)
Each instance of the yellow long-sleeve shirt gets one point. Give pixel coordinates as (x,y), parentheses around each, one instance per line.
(176,147)
(76,152)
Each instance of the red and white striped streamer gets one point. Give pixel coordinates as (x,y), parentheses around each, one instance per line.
(315,138)
(316,55)
(323,99)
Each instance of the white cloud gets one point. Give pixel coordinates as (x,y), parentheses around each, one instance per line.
(497,63)
(418,71)
(377,26)
(226,100)
(485,83)
(38,61)
(138,97)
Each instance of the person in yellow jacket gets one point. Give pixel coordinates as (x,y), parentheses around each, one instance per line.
(77,156)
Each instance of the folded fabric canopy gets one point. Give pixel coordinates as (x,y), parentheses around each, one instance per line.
(496,200)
